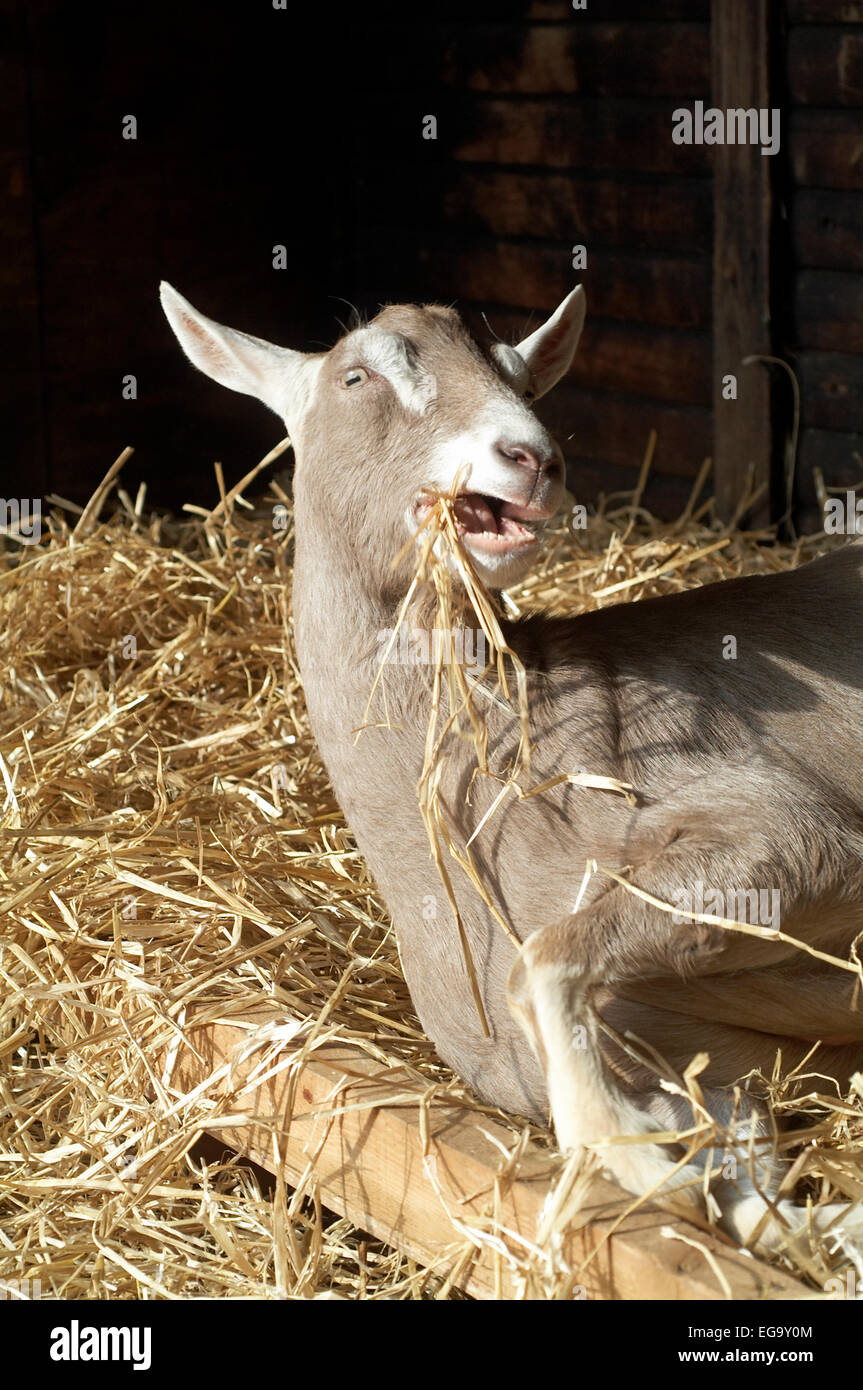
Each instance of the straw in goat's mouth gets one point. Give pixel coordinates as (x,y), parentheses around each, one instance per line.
(443,561)
(478,514)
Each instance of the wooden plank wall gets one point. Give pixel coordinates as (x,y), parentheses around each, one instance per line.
(90,222)
(21,380)
(554,129)
(825,83)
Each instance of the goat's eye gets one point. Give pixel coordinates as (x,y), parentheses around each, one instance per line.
(355,376)
(529,395)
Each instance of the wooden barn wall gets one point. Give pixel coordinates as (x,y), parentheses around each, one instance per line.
(825,89)
(24,470)
(554,129)
(90,223)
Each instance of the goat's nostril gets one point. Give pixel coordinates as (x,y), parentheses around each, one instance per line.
(518,453)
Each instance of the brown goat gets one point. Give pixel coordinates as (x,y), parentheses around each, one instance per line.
(742,754)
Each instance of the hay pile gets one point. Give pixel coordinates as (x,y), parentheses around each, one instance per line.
(170,847)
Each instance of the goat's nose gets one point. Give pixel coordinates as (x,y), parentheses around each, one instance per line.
(518,453)
(526,457)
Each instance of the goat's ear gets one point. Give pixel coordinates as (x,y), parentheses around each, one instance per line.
(282,379)
(548,351)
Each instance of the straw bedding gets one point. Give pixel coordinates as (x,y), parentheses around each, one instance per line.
(170,847)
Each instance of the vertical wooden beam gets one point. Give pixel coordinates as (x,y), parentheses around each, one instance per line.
(742,207)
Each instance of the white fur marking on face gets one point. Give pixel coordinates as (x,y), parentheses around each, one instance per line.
(503,420)
(387,354)
(473,456)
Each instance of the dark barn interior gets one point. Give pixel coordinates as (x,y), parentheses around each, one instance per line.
(302,127)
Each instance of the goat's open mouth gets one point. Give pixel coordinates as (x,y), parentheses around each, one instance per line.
(488,523)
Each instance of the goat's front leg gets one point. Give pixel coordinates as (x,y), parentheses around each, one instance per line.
(622,937)
(552,996)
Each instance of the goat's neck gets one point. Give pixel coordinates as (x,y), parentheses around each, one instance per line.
(339,614)
(337,619)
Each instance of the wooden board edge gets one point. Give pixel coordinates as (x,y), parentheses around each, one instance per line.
(355,1125)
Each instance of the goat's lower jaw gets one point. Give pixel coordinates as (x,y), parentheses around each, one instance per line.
(512,536)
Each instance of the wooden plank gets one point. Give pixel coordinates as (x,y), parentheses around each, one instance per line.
(629,359)
(619,136)
(593,425)
(664,496)
(373,1168)
(664,365)
(741,258)
(826,149)
(615,9)
(839,455)
(670,215)
(831,388)
(824,11)
(624,60)
(825,66)
(668,291)
(827,228)
(828,310)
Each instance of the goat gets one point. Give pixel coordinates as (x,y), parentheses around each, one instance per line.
(745,769)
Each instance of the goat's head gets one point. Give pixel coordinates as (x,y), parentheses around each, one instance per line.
(404,404)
